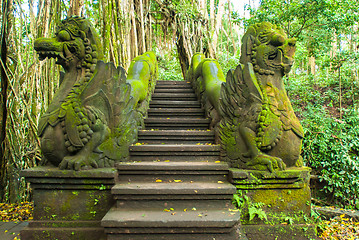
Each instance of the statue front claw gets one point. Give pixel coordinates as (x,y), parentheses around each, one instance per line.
(89,156)
(78,162)
(266,162)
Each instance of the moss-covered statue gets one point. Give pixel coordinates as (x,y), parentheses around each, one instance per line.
(259,129)
(90,121)
(206,76)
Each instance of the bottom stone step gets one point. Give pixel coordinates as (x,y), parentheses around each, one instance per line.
(197,221)
(233,235)
(122,223)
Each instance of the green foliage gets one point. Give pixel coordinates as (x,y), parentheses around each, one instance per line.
(169,67)
(228,62)
(331,143)
(312,22)
(255,209)
(289,220)
(331,147)
(327,101)
(239,199)
(243,202)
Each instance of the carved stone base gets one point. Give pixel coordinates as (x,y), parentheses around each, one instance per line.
(283,196)
(69,204)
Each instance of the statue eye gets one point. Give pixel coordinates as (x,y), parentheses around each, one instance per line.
(277,40)
(64,36)
(273,55)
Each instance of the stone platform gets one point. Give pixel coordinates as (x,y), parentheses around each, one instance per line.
(283,196)
(69,204)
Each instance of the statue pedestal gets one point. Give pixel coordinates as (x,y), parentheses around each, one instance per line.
(283,196)
(69,204)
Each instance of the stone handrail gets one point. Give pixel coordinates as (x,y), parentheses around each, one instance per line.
(206,76)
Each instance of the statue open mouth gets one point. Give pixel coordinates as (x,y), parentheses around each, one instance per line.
(51,54)
(274,59)
(278,60)
(61,57)
(273,56)
(48,48)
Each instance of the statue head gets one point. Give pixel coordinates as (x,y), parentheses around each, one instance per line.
(269,50)
(76,43)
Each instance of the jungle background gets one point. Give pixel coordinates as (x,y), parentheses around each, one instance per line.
(323,84)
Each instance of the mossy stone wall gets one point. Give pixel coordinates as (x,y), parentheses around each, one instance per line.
(69,204)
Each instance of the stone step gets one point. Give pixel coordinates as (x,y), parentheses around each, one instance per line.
(174,96)
(175,136)
(177,123)
(167,171)
(173,190)
(120,223)
(174,104)
(171,166)
(162,234)
(174,86)
(174,205)
(173,187)
(164,82)
(174,90)
(173,152)
(176,112)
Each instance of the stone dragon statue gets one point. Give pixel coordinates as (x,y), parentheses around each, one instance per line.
(91,120)
(258,128)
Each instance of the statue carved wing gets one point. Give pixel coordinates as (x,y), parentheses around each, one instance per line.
(240,103)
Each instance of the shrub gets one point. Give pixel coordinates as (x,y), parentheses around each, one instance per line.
(331,148)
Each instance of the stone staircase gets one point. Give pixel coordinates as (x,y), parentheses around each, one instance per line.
(173,186)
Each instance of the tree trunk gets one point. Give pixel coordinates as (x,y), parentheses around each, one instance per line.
(76,8)
(105,29)
(182,53)
(211,15)
(116,13)
(333,51)
(230,27)
(142,27)
(203,9)
(133,42)
(5,30)
(45,19)
(218,24)
(312,65)
(150,34)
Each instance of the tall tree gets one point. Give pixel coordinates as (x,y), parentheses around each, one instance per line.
(218,23)
(76,8)
(6,22)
